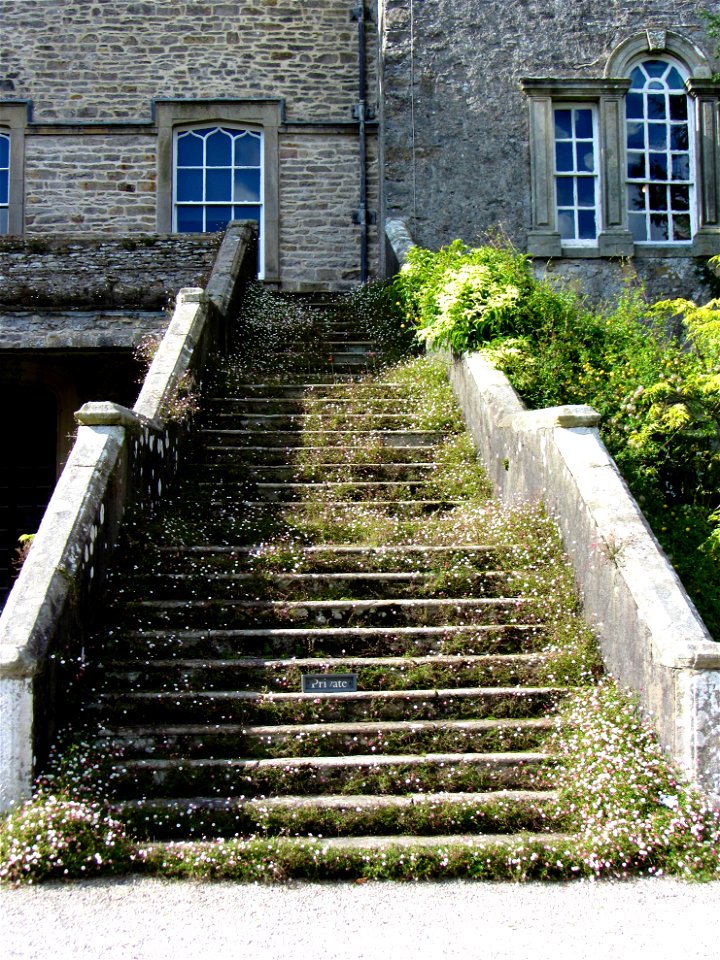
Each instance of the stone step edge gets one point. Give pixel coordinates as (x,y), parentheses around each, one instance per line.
(127,732)
(340,801)
(389,576)
(462,693)
(316,633)
(431,603)
(488,760)
(316,662)
(352,549)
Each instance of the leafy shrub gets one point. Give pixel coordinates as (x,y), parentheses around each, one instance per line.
(460,296)
(53,836)
(658,394)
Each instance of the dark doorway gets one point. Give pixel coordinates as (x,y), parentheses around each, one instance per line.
(27,468)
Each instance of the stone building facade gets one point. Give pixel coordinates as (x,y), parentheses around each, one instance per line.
(94,95)
(471,95)
(439,111)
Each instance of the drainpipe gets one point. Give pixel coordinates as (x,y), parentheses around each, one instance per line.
(359,13)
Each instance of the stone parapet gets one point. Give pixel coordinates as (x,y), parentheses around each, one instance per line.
(651,637)
(121,457)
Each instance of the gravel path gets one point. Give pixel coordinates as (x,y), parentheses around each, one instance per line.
(129,919)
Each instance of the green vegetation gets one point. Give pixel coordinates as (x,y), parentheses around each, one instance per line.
(652,372)
(622,808)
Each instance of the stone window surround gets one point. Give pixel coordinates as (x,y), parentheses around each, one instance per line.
(608,93)
(264,114)
(13,120)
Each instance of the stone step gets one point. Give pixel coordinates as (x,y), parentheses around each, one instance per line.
(373,453)
(233,471)
(250,707)
(325,613)
(227,741)
(321,642)
(329,509)
(387,774)
(320,558)
(205,585)
(329,388)
(267,675)
(420,815)
(322,438)
(274,422)
(224,406)
(315,491)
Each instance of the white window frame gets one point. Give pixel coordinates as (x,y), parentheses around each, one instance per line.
(608,95)
(204,203)
(265,115)
(5,186)
(13,124)
(577,174)
(645,183)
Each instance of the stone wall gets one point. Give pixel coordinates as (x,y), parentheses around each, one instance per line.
(92,138)
(107,59)
(99,182)
(456,131)
(317,229)
(71,270)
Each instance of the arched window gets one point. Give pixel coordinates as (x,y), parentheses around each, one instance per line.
(217,178)
(660,175)
(4,182)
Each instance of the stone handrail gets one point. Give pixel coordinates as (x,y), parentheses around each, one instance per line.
(121,458)
(651,636)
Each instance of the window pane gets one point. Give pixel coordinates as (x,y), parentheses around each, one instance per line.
(659,228)
(636,136)
(655,68)
(251,212)
(564,191)
(566,224)
(637,79)
(586,225)
(636,196)
(586,191)
(247,150)
(656,106)
(217,218)
(190,219)
(246,185)
(681,227)
(679,137)
(189,150)
(219,149)
(189,185)
(657,136)
(658,166)
(681,167)
(680,198)
(4,151)
(636,166)
(217,185)
(658,196)
(636,222)
(4,186)
(563,156)
(678,107)
(634,106)
(585,158)
(674,80)
(583,124)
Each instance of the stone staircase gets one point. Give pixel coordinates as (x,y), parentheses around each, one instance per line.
(312,535)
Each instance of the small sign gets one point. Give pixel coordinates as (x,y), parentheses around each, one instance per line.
(329,683)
